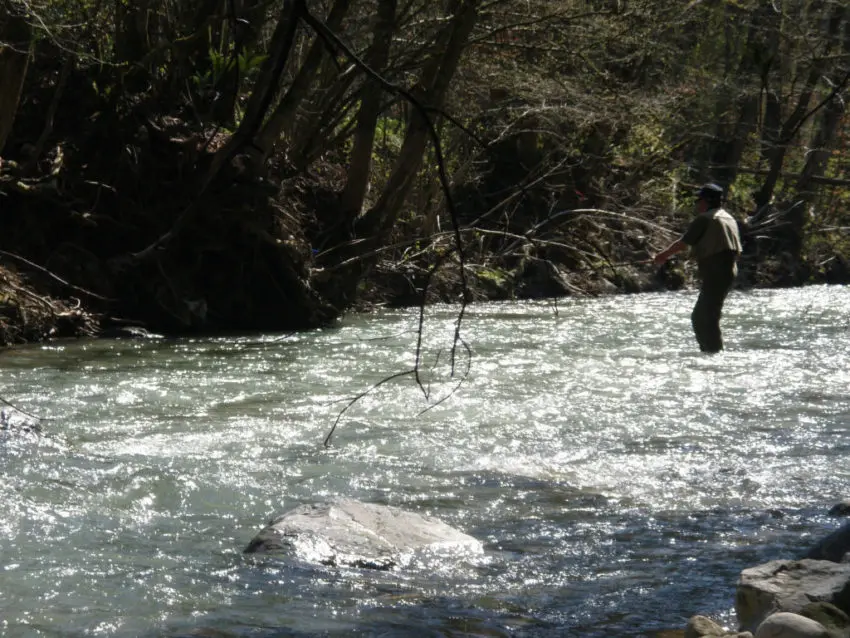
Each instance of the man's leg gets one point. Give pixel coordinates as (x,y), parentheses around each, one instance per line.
(705,318)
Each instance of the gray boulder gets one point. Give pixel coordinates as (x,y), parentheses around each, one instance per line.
(787,625)
(840,509)
(837,623)
(350,533)
(788,585)
(702,627)
(834,547)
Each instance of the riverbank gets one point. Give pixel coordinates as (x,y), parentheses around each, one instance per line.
(31,313)
(36,305)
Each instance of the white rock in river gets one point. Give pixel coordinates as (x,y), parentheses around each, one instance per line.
(348,532)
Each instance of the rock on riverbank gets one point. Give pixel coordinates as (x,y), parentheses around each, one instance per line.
(806,598)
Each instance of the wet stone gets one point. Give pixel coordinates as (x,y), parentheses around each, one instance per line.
(355,534)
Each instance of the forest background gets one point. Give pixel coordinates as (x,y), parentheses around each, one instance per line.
(243,165)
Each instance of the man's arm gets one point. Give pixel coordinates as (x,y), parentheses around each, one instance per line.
(674,248)
(695,231)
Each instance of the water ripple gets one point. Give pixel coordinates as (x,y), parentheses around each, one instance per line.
(618,479)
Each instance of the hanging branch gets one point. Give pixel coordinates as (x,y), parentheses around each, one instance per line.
(17,409)
(418,359)
(53,276)
(335,43)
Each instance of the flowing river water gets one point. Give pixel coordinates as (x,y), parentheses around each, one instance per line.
(618,479)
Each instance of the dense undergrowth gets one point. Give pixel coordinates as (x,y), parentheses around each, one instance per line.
(180,174)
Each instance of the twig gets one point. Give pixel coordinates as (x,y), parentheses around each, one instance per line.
(355,399)
(459,383)
(24,412)
(53,276)
(32,296)
(334,41)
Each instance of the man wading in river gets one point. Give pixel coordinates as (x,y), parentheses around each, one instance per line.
(715,243)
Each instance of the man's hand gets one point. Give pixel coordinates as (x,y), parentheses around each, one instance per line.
(674,248)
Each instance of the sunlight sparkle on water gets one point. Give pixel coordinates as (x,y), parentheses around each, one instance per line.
(607,468)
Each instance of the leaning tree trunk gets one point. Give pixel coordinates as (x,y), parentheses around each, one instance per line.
(255,112)
(821,148)
(311,127)
(824,138)
(373,228)
(265,89)
(758,58)
(433,85)
(131,43)
(15,40)
(284,115)
(360,161)
(244,31)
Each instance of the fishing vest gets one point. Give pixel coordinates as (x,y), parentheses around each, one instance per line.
(720,235)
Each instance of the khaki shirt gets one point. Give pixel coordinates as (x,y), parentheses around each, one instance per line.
(714,231)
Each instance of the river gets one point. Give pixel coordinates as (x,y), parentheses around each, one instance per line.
(618,479)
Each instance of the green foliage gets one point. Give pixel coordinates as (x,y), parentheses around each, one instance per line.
(616,106)
(389,134)
(496,276)
(222,63)
(646,139)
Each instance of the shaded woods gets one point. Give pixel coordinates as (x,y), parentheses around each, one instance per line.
(264,165)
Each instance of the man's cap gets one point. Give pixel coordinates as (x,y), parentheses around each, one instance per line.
(710,192)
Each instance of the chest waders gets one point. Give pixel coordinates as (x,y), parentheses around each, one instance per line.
(717,273)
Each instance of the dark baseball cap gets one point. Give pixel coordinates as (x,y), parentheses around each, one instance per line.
(711,192)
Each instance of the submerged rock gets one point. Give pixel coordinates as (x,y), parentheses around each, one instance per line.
(355,534)
(10,424)
(702,627)
(127,332)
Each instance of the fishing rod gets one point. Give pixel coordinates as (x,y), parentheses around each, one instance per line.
(619,264)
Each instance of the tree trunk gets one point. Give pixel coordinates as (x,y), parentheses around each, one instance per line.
(791,126)
(244,29)
(266,87)
(360,161)
(131,30)
(284,115)
(823,140)
(15,40)
(131,41)
(756,63)
(191,53)
(258,104)
(311,124)
(47,131)
(431,91)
